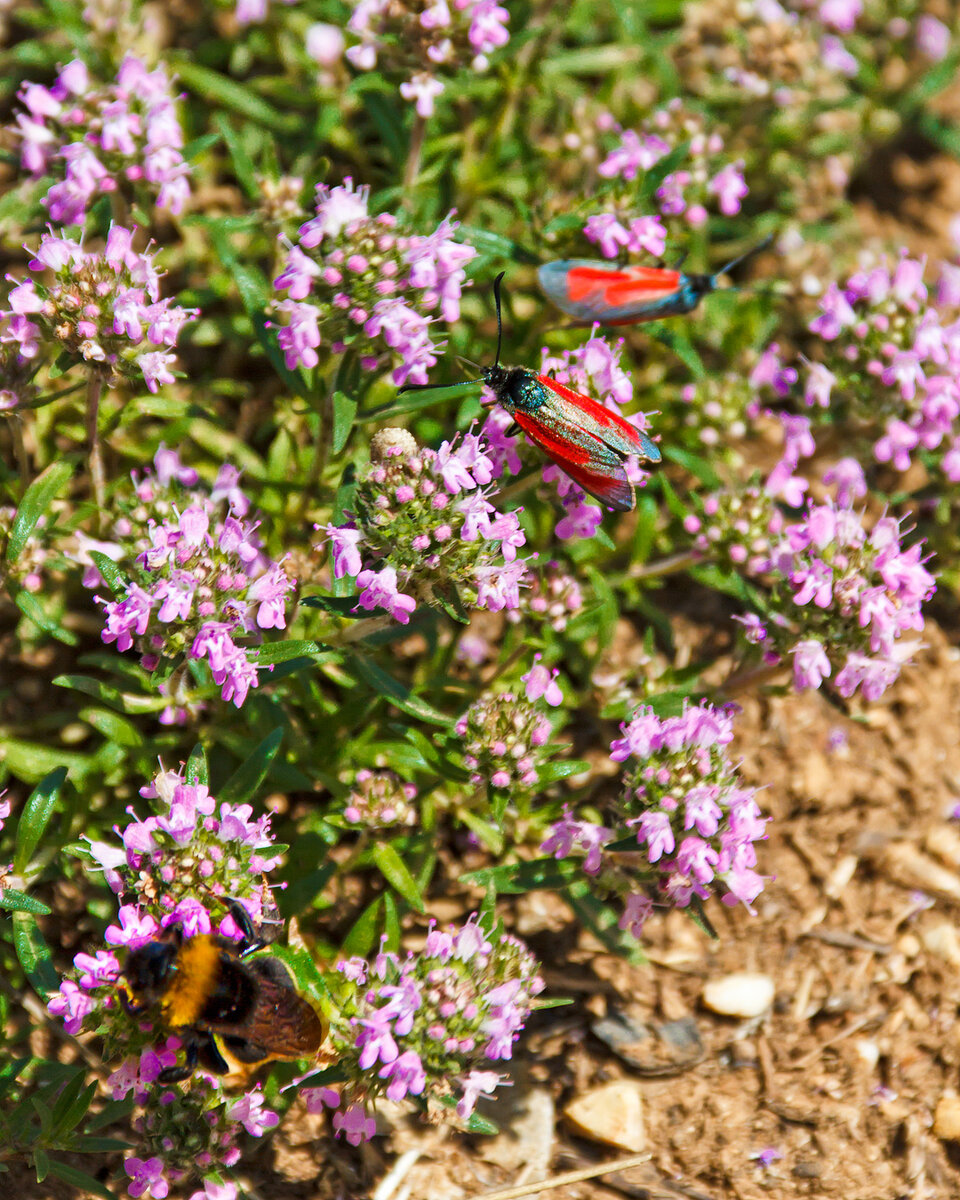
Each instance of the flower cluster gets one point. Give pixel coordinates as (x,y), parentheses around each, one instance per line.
(102,307)
(203,584)
(420,40)
(505,741)
(707,179)
(554,597)
(889,352)
(716,407)
(840,599)
(378,800)
(368,285)
(693,820)
(102,139)
(424,529)
(770,54)
(435,1025)
(190,847)
(594,369)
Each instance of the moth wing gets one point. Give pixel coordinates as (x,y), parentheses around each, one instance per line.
(588,460)
(605,425)
(599,291)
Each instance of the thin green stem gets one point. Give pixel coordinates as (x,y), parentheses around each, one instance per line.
(20,450)
(97,475)
(519,486)
(412,168)
(359,630)
(740,681)
(665,566)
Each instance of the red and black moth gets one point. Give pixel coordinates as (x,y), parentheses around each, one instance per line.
(598,291)
(585,439)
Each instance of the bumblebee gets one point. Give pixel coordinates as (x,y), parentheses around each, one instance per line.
(219,1003)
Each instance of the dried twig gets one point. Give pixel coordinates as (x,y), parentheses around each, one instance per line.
(556,1181)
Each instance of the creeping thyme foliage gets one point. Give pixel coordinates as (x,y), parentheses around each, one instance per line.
(359,617)
(123,137)
(436,1025)
(103,307)
(360,282)
(425,529)
(685,807)
(202,583)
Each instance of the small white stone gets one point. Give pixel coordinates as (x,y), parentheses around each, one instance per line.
(743,994)
(612,1114)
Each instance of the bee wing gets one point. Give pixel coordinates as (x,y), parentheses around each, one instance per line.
(601,291)
(283,1023)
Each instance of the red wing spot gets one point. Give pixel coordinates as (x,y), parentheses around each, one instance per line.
(631,292)
(587,281)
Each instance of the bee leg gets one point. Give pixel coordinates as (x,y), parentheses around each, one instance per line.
(178,1074)
(130,1006)
(251,943)
(211,1058)
(244,1050)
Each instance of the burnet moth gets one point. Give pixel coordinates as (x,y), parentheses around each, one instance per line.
(611,295)
(586,440)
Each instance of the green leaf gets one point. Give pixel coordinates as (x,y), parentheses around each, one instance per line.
(245,782)
(113,726)
(399,695)
(212,88)
(551,772)
(80,1179)
(36,500)
(255,294)
(344,413)
(699,467)
(113,577)
(394,870)
(517,878)
(197,773)
(601,920)
(485,241)
(13,901)
(242,164)
(35,817)
(72,1104)
(41,1161)
(34,611)
(22,202)
(278,652)
(414,401)
(106,693)
(363,935)
(676,339)
(34,954)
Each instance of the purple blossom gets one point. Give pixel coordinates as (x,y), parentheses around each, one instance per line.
(541,681)
(101,138)
(249,1112)
(354,1124)
(146,1175)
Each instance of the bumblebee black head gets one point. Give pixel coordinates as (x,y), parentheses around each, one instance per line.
(148,968)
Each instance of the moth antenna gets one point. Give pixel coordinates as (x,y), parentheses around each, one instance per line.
(436,387)
(496,297)
(746,254)
(467,362)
